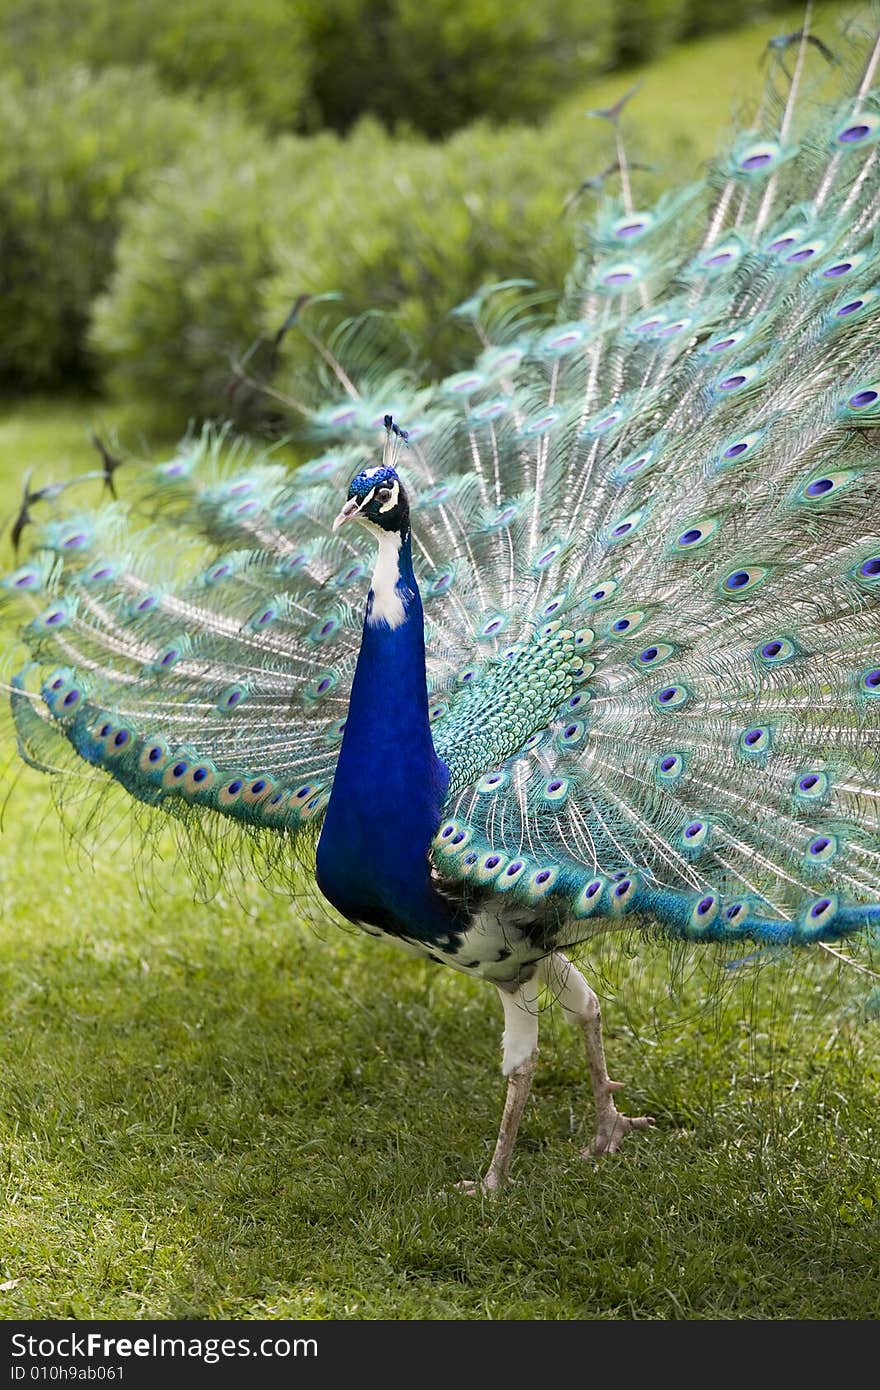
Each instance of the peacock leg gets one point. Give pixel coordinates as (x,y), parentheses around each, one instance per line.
(582,1006)
(520,1043)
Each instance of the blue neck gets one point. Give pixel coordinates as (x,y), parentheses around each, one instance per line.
(389,786)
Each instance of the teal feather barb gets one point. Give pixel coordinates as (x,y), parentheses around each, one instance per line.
(647,544)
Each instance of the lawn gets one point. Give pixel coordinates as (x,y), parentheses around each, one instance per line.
(236,1108)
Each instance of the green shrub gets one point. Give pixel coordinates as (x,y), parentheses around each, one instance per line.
(72,151)
(255,55)
(185,295)
(442,64)
(643,28)
(225,243)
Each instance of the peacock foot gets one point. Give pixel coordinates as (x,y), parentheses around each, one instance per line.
(489,1186)
(612,1127)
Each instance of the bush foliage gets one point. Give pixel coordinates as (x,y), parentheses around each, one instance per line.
(181,229)
(255,55)
(303,64)
(73,151)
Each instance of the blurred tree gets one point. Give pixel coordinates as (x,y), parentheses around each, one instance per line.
(254,54)
(73,150)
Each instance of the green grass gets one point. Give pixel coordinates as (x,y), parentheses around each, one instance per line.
(224,1109)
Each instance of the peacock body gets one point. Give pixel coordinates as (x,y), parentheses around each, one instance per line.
(620,661)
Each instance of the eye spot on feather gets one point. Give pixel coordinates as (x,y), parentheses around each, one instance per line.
(154,756)
(776,651)
(75,540)
(624,890)
(758,158)
(53,618)
(175,772)
(822,848)
(635,465)
(782,243)
(803,253)
(542,424)
(555,791)
(697,534)
(463,384)
(199,779)
(620,276)
(705,911)
(534,740)
(670,330)
(115,739)
(870,681)
(547,557)
(292,564)
(264,617)
(631,227)
(626,624)
(654,655)
(821,488)
(742,581)
(670,767)
(624,528)
(818,917)
(230,698)
(738,450)
(24,578)
(604,590)
(755,741)
(572,734)
(671,697)
(694,835)
(489,411)
(859,128)
(492,782)
(811,786)
(502,518)
(321,685)
(589,899)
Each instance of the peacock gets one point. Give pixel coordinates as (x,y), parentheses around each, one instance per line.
(618,666)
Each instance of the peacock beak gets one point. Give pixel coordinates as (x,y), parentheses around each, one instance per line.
(348,511)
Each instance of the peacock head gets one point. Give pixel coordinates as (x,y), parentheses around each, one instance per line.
(376,498)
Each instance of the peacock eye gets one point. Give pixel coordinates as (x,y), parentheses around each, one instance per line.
(383,494)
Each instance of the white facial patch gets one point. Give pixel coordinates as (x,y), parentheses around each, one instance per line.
(392,500)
